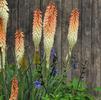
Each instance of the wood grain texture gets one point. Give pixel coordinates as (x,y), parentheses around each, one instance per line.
(88,47)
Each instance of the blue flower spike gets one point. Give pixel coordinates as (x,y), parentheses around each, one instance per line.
(53,53)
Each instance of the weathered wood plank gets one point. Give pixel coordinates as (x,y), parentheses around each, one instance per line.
(12,24)
(99,22)
(96,44)
(87,36)
(58,34)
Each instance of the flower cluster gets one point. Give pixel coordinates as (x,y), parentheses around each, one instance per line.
(14,89)
(4,13)
(73,30)
(49,28)
(37,28)
(19,47)
(3,28)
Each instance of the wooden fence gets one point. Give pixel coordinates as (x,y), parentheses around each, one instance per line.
(88,48)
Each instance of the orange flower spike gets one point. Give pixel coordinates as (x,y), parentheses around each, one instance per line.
(73,29)
(3,28)
(2,44)
(19,47)
(37,33)
(49,27)
(2,36)
(50,20)
(37,28)
(4,13)
(14,89)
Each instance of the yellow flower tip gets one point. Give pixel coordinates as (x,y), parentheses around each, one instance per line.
(4,5)
(19,46)
(14,89)
(74,20)
(50,20)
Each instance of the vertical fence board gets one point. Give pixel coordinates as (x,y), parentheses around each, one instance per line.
(12,25)
(86,36)
(96,44)
(99,19)
(58,34)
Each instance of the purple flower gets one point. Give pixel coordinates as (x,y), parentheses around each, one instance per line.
(37,84)
(53,53)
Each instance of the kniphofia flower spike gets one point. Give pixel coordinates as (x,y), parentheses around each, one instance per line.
(4,13)
(37,33)
(49,29)
(3,28)
(14,89)
(73,30)
(19,47)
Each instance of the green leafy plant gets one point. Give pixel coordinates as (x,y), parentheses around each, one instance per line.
(34,85)
(98,89)
(70,91)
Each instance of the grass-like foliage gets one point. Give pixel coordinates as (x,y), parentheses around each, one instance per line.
(35,83)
